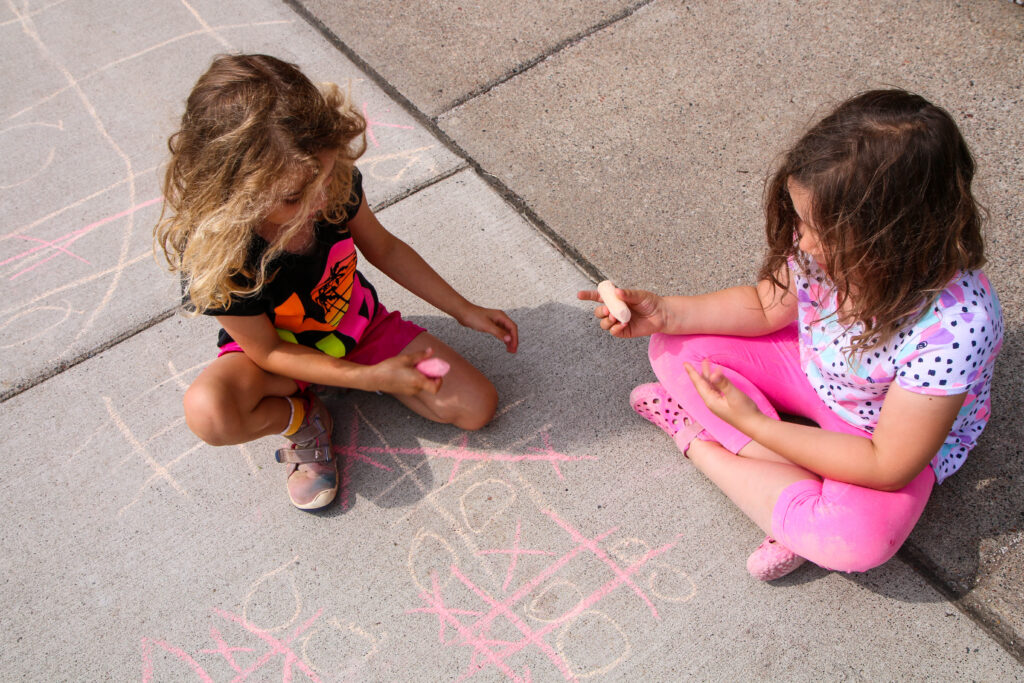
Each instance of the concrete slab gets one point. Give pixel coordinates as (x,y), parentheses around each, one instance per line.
(439,53)
(83,130)
(644,148)
(566,540)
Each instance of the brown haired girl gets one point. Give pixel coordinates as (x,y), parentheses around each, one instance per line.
(267,210)
(871,317)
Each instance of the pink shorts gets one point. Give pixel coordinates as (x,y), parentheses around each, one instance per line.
(833,524)
(386,336)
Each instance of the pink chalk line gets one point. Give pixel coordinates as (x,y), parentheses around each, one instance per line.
(475,635)
(370,123)
(278,647)
(447,617)
(515,551)
(60,244)
(459,454)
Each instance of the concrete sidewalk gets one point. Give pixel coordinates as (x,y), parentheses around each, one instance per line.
(523,149)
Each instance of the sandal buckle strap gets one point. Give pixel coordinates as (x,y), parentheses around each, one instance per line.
(303,455)
(309,432)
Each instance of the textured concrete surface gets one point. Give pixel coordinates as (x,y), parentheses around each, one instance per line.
(641,146)
(568,540)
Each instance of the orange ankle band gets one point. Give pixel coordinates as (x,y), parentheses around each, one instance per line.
(298,415)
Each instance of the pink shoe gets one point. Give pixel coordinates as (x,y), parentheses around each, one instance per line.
(652,402)
(772,560)
(312,466)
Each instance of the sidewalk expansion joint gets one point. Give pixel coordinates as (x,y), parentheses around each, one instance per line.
(624,13)
(416,189)
(1001,632)
(50,373)
(430,124)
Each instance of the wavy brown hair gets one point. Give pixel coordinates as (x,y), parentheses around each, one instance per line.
(251,124)
(890,176)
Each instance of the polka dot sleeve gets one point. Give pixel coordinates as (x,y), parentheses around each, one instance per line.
(950,349)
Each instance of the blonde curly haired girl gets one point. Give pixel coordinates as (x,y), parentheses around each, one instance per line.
(264,211)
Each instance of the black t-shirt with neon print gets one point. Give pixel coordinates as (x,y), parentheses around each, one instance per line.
(317,299)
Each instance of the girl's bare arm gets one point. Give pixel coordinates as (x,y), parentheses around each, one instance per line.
(911,429)
(404,265)
(258,338)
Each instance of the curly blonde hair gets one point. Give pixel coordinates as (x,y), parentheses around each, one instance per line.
(890,180)
(251,124)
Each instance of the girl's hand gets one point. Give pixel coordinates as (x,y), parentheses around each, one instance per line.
(648,313)
(398,375)
(722,396)
(493,322)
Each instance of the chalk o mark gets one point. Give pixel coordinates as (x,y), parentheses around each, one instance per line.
(556,600)
(484,502)
(46,323)
(424,560)
(666,581)
(592,627)
(671,583)
(259,585)
(20,153)
(322,643)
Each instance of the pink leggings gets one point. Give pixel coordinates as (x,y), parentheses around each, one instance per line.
(835,525)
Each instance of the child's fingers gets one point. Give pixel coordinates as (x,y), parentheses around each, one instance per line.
(510,331)
(417,356)
(431,385)
(699,382)
(588,295)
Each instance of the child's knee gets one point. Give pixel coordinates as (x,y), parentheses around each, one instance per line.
(670,351)
(867,555)
(209,417)
(475,411)
(857,552)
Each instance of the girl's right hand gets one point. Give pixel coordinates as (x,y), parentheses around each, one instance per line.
(647,313)
(398,375)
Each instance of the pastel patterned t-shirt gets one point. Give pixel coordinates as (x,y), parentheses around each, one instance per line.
(950,350)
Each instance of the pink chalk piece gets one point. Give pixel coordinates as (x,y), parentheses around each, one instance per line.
(433,367)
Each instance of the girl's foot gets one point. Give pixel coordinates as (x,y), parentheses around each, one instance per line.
(313,468)
(772,560)
(652,402)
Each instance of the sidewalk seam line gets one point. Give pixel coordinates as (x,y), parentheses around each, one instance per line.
(430,124)
(419,187)
(45,375)
(554,50)
(1003,634)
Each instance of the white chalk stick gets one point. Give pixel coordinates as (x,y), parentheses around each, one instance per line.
(619,310)
(433,367)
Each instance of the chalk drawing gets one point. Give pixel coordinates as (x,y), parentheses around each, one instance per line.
(60,244)
(430,556)
(18,165)
(484,501)
(514,552)
(271,591)
(372,123)
(604,636)
(343,646)
(382,167)
(52,317)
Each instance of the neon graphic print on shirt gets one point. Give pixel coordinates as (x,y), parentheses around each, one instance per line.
(338,305)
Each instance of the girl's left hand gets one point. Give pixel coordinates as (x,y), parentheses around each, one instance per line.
(721,396)
(493,322)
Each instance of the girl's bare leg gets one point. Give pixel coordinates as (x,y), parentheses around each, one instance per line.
(753,484)
(467,399)
(234,401)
